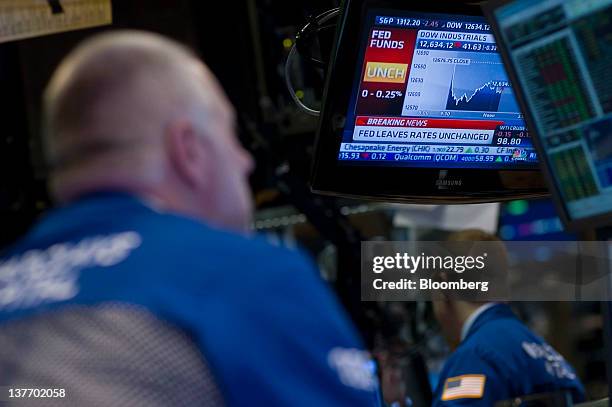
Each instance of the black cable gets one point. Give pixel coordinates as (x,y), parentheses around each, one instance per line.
(307,35)
(302,45)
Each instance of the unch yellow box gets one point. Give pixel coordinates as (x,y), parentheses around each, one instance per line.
(385,72)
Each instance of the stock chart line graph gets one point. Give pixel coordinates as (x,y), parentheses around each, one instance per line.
(480,86)
(459,81)
(486,98)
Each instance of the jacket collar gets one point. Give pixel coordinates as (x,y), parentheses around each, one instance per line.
(483,315)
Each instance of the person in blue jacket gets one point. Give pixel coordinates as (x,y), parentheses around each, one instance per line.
(154,210)
(495,356)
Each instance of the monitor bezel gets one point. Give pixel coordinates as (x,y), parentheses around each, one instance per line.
(571,224)
(424,185)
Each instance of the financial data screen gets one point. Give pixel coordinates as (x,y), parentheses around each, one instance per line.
(562,52)
(431,91)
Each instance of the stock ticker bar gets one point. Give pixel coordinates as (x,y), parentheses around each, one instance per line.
(426,23)
(426,140)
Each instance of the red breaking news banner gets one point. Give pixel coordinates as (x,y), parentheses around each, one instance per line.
(421,122)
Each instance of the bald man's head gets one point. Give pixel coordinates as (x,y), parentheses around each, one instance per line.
(124,110)
(117,88)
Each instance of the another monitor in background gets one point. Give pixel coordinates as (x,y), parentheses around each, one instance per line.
(418,108)
(531,220)
(559,55)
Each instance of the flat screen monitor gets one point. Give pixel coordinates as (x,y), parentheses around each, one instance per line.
(559,55)
(418,107)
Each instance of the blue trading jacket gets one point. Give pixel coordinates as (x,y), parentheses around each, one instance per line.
(500,359)
(269,328)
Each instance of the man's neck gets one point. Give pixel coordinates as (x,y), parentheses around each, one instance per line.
(469,321)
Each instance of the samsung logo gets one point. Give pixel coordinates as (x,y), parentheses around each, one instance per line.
(443,182)
(449,182)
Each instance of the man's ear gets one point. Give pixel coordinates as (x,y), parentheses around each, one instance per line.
(188,153)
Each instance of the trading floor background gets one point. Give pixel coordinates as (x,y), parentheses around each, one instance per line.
(246,44)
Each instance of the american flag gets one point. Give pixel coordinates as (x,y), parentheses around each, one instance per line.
(465,386)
